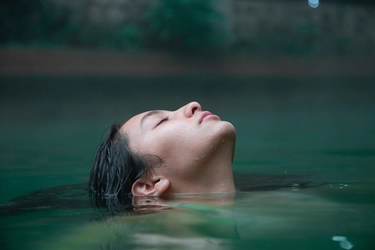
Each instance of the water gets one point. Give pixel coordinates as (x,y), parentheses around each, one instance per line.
(320,128)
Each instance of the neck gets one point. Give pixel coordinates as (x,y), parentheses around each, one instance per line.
(220,174)
(213,174)
(221,168)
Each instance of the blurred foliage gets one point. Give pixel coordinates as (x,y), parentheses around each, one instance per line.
(344,45)
(124,36)
(307,34)
(301,39)
(187,25)
(34,22)
(42,23)
(191,26)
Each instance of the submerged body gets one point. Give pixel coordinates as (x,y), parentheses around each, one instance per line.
(263,220)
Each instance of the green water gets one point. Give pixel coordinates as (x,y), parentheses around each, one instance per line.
(50,127)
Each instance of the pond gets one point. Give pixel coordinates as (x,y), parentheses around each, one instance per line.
(316,134)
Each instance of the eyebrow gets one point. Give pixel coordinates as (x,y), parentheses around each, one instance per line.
(150,113)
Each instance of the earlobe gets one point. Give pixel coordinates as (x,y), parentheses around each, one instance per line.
(143,187)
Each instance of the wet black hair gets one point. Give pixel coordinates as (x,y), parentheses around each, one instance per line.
(115,167)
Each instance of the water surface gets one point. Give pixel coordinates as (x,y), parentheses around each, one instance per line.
(323,128)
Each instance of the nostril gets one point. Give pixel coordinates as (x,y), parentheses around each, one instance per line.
(194,109)
(191,108)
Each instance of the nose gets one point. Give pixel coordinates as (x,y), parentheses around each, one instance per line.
(190,108)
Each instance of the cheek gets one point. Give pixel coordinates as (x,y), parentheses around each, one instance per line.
(171,141)
(181,144)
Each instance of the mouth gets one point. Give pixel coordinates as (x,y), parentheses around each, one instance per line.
(205,115)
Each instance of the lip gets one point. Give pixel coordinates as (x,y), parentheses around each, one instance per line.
(204,115)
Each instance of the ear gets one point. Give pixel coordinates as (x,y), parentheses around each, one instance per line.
(147,187)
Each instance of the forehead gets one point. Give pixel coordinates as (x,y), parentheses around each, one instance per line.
(133,123)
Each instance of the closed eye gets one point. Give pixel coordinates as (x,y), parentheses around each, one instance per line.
(163,120)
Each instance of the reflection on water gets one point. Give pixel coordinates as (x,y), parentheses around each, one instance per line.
(330,216)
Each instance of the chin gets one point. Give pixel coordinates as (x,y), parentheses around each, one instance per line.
(227,130)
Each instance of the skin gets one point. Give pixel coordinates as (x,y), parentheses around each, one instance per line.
(195,146)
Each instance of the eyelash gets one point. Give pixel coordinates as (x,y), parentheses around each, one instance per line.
(163,120)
